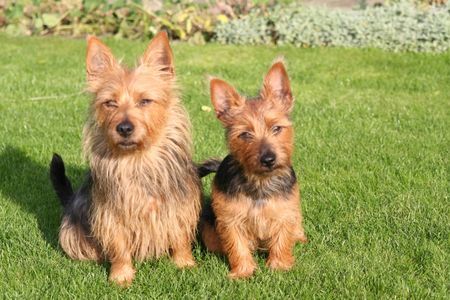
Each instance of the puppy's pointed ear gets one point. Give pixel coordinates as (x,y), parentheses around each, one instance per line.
(99,59)
(159,54)
(224,99)
(276,86)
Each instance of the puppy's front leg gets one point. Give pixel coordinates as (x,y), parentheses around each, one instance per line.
(281,247)
(238,251)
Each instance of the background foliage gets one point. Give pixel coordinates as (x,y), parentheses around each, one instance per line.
(397,25)
(121,19)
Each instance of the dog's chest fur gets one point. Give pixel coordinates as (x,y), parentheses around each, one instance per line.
(147,200)
(261,206)
(144,208)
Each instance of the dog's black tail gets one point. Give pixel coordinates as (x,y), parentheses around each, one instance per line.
(61,183)
(209,166)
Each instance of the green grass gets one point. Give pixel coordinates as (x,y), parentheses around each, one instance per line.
(372,157)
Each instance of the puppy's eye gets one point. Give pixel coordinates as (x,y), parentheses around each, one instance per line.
(276,129)
(246,136)
(110,104)
(145,102)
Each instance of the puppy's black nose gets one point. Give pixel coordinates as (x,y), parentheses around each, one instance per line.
(125,128)
(268,159)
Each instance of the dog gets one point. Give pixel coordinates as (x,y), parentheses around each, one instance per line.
(142,195)
(255,195)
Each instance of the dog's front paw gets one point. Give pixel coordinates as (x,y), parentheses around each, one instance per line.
(284,264)
(243,270)
(183,261)
(302,238)
(122,275)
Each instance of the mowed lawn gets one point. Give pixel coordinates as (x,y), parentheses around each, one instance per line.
(371,154)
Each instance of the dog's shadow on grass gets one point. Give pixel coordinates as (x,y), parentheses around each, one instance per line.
(207,215)
(26,183)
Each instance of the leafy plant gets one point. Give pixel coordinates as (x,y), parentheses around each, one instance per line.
(397,27)
(122,19)
(251,29)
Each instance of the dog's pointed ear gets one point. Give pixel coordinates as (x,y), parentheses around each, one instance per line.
(99,59)
(277,87)
(224,98)
(159,54)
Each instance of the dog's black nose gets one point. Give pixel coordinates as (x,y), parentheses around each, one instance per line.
(125,128)
(268,159)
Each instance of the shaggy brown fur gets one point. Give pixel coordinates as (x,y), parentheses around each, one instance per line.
(255,195)
(142,196)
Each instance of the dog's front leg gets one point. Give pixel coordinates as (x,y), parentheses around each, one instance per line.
(238,251)
(182,253)
(281,247)
(118,251)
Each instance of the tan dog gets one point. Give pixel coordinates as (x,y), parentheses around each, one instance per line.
(142,195)
(255,196)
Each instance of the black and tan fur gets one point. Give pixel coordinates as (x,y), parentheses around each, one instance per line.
(255,195)
(141,198)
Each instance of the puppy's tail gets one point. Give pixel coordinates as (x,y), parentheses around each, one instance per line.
(207,167)
(61,184)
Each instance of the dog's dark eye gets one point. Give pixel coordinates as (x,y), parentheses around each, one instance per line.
(277,129)
(110,104)
(145,102)
(246,136)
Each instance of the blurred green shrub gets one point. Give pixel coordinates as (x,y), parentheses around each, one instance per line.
(250,29)
(396,27)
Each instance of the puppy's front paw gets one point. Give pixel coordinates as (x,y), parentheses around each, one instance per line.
(283,264)
(122,275)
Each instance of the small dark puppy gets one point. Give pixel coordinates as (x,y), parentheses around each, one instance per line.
(255,196)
